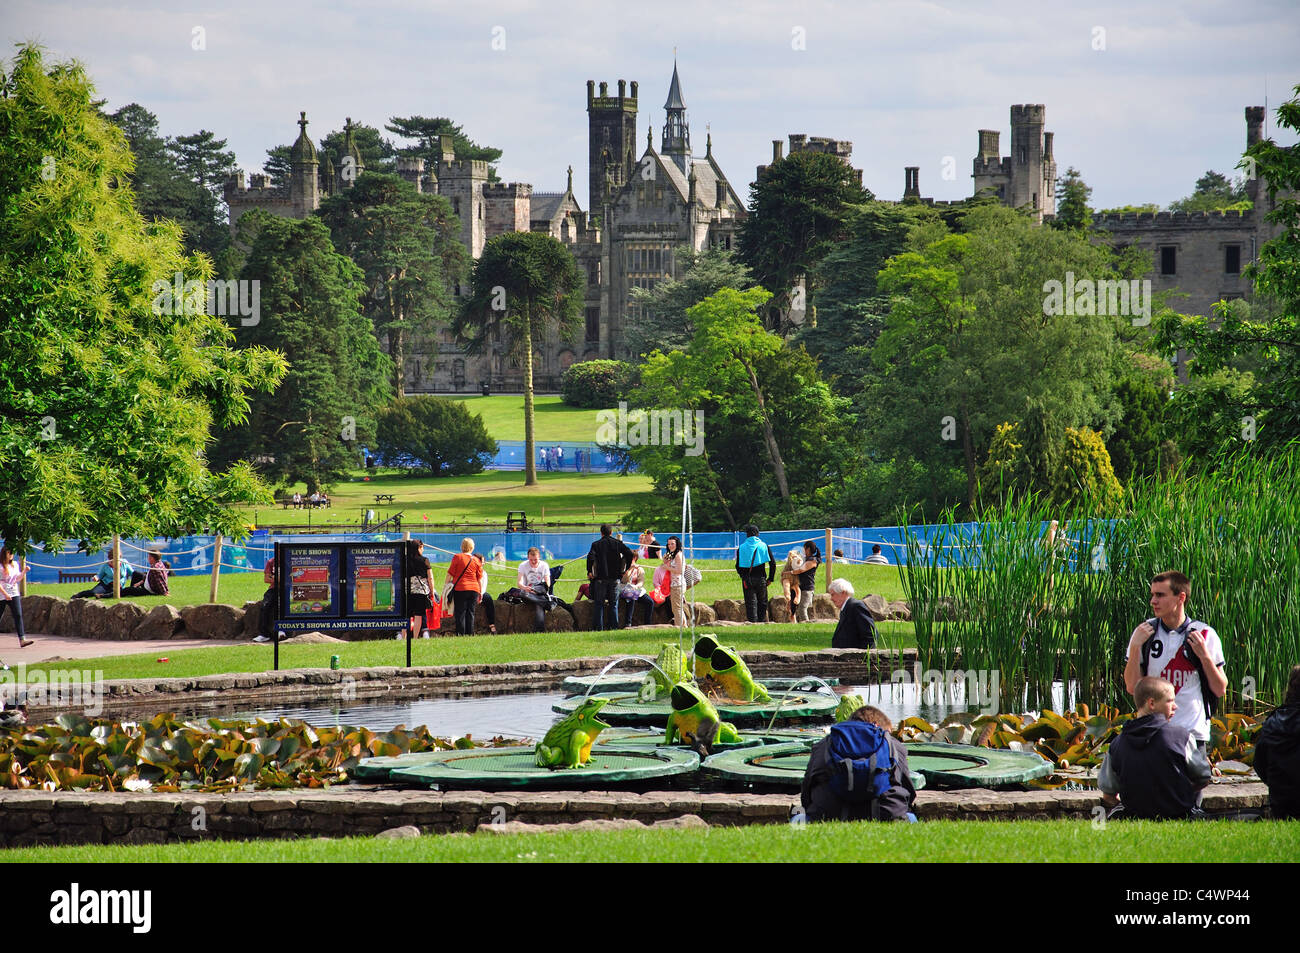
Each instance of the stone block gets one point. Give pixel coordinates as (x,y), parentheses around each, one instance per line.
(877,606)
(160,622)
(213,621)
(729,610)
(823,608)
(778,609)
(397,833)
(704,614)
(583,613)
(558,619)
(36,614)
(252,618)
(57,612)
(900,610)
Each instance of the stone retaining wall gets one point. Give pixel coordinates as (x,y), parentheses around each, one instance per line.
(850,666)
(38,817)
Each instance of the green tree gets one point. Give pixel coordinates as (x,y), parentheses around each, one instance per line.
(310,429)
(1214,192)
(1064,467)
(436,434)
(107,389)
(1072,195)
(407,245)
(971,335)
(596,384)
(798,211)
(428,134)
(1261,406)
(664,323)
(525,286)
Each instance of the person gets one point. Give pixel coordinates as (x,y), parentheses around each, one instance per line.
(559,457)
(11,574)
(674,562)
(266,616)
(812,558)
(877,558)
(750,557)
(419,586)
(1155,765)
(1182,650)
(467,591)
(535,583)
(633,592)
(607,560)
(489,608)
(651,545)
(104,581)
(1277,753)
(790,579)
(838,557)
(314,498)
(297,500)
(546,458)
(153,582)
(866,733)
(856,628)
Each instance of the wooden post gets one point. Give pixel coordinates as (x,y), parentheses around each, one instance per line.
(22,583)
(117,566)
(830,568)
(216,568)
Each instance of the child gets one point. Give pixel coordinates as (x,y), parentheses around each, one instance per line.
(1155,767)
(790,578)
(823,793)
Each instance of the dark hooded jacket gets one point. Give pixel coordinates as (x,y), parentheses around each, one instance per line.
(1154,770)
(822,805)
(1277,760)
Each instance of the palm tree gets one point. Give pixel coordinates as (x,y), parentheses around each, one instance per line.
(527,285)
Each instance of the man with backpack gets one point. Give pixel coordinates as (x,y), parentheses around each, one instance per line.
(859,772)
(1181,650)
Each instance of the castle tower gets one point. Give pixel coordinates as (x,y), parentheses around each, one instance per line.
(461,182)
(677,132)
(303,164)
(411,169)
(328,182)
(611,139)
(1027,158)
(353,166)
(1254,134)
(911,183)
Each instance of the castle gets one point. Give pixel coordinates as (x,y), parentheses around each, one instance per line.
(642,208)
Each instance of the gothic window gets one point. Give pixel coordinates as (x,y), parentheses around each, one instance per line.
(1168,260)
(593,324)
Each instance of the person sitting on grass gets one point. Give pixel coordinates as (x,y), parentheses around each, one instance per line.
(152,583)
(877,558)
(1277,753)
(633,592)
(860,750)
(104,581)
(1155,767)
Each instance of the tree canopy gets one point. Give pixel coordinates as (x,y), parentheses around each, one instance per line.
(663,322)
(106,394)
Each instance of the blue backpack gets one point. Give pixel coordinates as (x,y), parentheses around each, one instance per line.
(859,762)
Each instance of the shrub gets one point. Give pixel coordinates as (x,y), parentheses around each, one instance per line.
(433,434)
(596,384)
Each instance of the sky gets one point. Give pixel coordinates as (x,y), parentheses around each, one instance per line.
(1143,97)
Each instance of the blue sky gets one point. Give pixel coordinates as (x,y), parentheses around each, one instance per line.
(1143,97)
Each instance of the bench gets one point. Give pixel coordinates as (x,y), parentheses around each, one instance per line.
(383,497)
(77,576)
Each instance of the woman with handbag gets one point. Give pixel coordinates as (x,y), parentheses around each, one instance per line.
(675,563)
(11,574)
(464,583)
(419,586)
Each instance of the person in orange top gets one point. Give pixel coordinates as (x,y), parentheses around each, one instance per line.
(465,574)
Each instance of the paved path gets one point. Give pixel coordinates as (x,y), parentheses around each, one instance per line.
(53,647)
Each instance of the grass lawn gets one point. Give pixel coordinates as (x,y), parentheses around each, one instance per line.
(463,650)
(553,420)
(558,497)
(939,841)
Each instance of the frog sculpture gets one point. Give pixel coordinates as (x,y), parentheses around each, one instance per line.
(568,742)
(733,678)
(847,706)
(705,646)
(696,721)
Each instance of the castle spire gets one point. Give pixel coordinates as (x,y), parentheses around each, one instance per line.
(569,187)
(353,165)
(677,133)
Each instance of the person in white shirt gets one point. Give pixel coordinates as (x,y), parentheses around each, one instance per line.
(1181,650)
(535,583)
(11,574)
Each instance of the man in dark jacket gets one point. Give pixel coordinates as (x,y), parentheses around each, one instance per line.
(607,560)
(822,803)
(1277,753)
(1155,767)
(856,628)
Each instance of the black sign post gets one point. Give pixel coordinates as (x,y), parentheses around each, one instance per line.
(341,586)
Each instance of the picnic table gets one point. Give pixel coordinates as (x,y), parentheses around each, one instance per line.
(383,497)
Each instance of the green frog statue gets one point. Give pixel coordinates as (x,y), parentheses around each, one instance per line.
(671,669)
(568,742)
(733,678)
(696,721)
(705,646)
(847,706)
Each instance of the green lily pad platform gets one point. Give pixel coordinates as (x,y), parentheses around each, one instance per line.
(635,738)
(624,709)
(631,681)
(941,765)
(496,769)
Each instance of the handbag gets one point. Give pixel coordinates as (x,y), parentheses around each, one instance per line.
(451,586)
(691,575)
